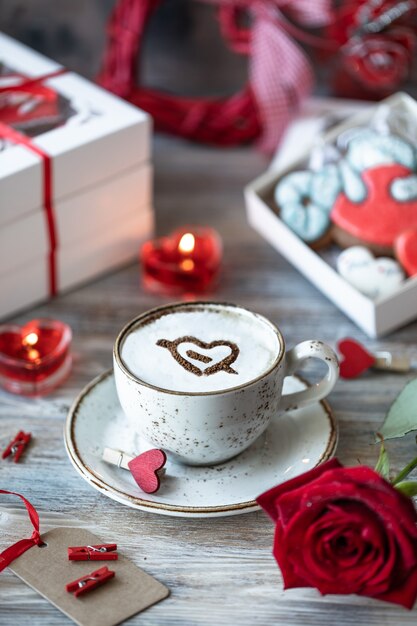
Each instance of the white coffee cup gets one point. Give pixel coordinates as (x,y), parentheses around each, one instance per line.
(208,403)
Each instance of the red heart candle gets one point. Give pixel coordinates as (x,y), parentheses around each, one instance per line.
(35,358)
(186,261)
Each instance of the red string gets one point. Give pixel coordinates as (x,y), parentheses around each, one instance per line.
(32,82)
(7,132)
(17,549)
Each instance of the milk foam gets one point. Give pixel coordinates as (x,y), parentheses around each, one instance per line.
(258,347)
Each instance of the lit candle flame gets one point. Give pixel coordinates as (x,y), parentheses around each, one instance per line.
(187,243)
(31,339)
(187,265)
(33,355)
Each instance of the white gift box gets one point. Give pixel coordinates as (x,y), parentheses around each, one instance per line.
(89,211)
(101,187)
(374,317)
(112,248)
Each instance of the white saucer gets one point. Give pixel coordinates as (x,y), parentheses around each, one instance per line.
(295,442)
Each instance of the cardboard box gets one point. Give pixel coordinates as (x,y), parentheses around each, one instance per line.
(375,318)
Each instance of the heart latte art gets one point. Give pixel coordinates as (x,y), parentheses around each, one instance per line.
(224,364)
(201,348)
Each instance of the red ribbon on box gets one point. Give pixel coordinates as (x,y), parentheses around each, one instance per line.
(16,137)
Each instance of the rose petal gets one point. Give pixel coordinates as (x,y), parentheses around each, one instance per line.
(268,499)
(404,594)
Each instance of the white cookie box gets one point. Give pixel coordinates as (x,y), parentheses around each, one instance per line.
(375,318)
(78,217)
(86,259)
(114,138)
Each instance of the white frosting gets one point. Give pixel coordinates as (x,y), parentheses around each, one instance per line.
(258,347)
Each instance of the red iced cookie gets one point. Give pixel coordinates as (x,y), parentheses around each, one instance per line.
(406,251)
(379,219)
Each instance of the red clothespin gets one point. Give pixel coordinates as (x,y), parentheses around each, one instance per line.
(103,552)
(90,581)
(17,446)
(357,359)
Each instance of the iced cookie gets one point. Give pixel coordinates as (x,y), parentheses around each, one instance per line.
(368,149)
(406,251)
(379,198)
(372,277)
(305,199)
(389,208)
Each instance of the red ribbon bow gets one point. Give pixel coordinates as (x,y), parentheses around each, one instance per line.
(280,74)
(17,549)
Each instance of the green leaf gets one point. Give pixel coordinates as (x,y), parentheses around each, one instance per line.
(402,416)
(382,466)
(407,487)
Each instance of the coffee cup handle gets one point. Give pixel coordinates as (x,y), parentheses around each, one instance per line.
(294,358)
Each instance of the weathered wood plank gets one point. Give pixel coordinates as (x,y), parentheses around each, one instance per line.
(220,571)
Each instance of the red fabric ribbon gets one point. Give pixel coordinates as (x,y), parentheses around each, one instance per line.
(280,74)
(7,132)
(17,549)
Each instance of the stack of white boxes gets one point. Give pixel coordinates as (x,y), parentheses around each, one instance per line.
(101,188)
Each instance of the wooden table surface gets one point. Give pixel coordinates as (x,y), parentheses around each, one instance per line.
(219,571)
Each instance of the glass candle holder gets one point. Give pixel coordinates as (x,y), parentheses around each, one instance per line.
(186,261)
(35,358)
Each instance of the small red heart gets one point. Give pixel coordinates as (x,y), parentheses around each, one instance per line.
(144,469)
(406,251)
(356,358)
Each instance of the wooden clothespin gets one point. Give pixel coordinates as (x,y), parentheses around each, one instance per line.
(146,469)
(90,581)
(16,447)
(103,552)
(357,359)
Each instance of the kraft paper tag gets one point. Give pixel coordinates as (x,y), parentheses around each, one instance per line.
(48,570)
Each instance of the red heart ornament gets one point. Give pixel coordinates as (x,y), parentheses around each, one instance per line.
(356,359)
(186,261)
(406,251)
(145,467)
(379,219)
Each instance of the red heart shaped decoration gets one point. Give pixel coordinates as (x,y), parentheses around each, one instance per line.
(173,265)
(406,251)
(356,359)
(144,469)
(379,219)
(31,354)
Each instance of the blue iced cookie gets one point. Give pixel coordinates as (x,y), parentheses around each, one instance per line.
(305,200)
(369,149)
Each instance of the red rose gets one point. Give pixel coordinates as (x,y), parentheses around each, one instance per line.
(345,530)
